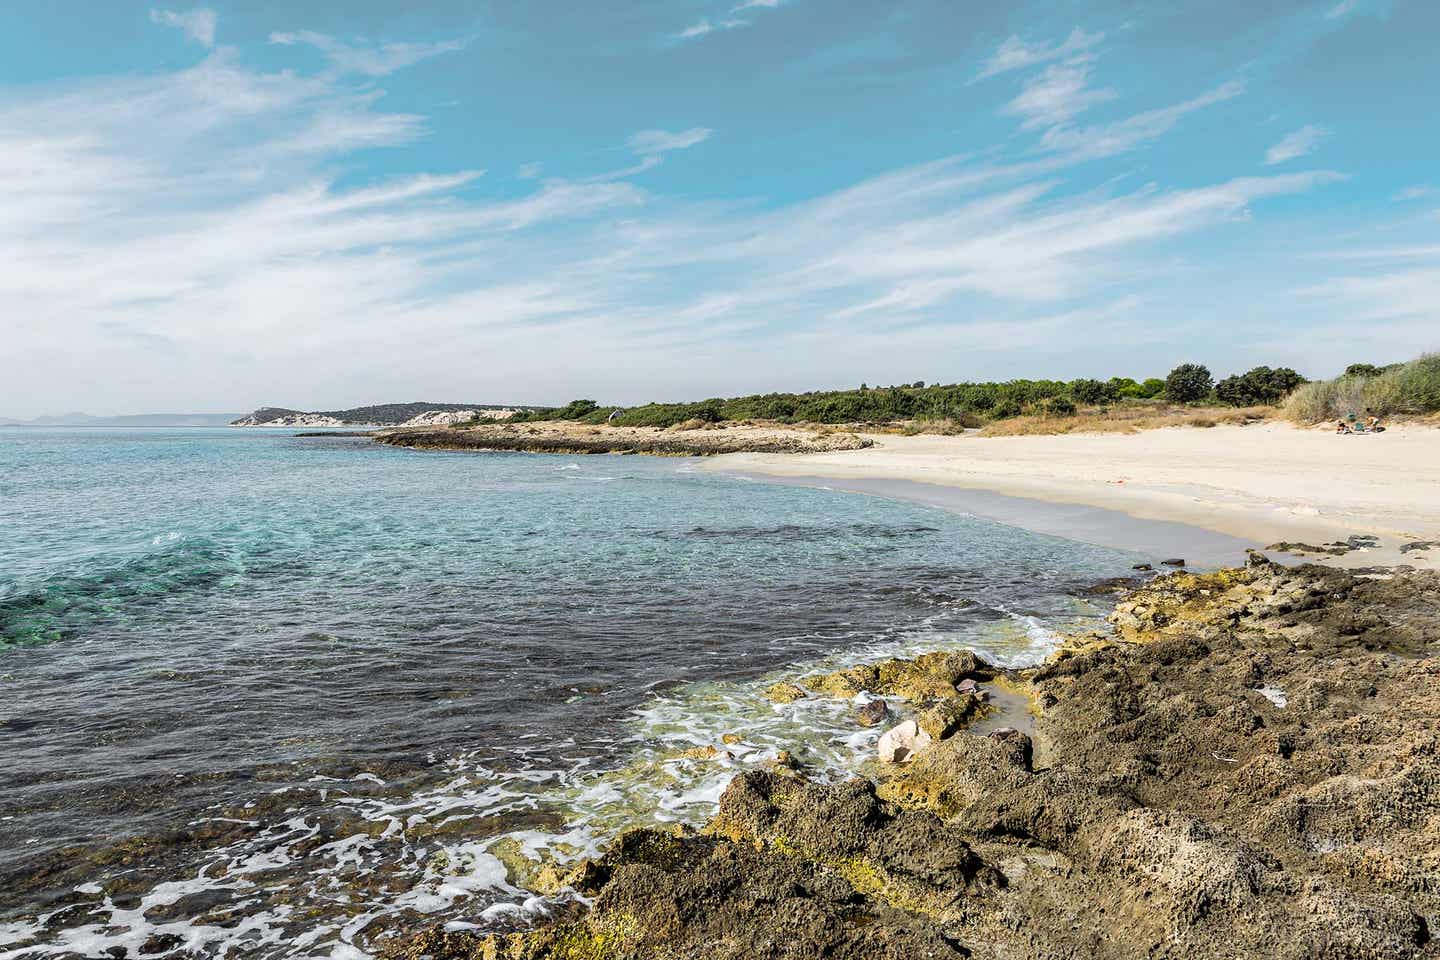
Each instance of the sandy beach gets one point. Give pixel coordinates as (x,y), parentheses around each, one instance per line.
(1261,483)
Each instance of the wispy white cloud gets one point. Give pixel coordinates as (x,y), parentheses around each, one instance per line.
(197,24)
(650,146)
(650,142)
(1017,54)
(199,209)
(1057,94)
(1418,191)
(1121,136)
(702,27)
(371,60)
(1342,9)
(1296,144)
(728,21)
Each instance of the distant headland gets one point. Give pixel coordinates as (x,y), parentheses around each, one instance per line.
(418,413)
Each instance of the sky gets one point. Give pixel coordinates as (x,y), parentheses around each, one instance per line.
(326,203)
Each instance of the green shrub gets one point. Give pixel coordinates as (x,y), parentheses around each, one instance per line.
(1152,388)
(1311,402)
(1365,370)
(1094,392)
(1188,383)
(1055,407)
(1408,388)
(1417,385)
(1261,385)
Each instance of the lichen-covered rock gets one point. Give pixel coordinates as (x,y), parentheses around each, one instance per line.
(1162,806)
(930,676)
(950,716)
(784,692)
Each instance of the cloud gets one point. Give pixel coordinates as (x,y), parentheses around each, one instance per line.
(200,209)
(1342,9)
(1417,192)
(650,142)
(197,24)
(1016,54)
(651,146)
(708,25)
(1296,144)
(1057,94)
(703,27)
(377,60)
(1121,136)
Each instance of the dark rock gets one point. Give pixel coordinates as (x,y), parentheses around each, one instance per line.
(1173,562)
(872,714)
(1142,567)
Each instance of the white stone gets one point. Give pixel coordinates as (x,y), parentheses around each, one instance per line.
(900,744)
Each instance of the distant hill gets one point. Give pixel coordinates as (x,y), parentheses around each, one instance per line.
(129,420)
(382,414)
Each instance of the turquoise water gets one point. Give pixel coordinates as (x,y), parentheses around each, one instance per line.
(273,696)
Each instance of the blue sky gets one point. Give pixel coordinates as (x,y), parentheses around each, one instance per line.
(326,203)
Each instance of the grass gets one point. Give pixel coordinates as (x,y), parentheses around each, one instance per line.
(1127,419)
(1409,390)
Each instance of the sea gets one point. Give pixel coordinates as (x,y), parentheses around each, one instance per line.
(270,696)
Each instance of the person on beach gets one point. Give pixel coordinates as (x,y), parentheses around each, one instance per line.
(1375,426)
(1342,427)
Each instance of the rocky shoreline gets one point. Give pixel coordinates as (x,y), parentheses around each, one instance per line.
(578,438)
(1246,765)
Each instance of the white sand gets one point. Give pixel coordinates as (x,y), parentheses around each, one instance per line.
(1262,483)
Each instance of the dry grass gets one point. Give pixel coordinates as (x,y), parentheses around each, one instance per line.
(1127,420)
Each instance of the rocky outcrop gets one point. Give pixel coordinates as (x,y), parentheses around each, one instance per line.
(1169,804)
(449,418)
(576,438)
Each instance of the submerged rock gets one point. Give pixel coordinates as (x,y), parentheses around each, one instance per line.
(784,692)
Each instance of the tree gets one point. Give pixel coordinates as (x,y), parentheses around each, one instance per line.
(1259,385)
(1188,383)
(1126,387)
(1152,388)
(1366,370)
(576,409)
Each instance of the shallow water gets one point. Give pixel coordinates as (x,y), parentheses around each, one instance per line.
(267,696)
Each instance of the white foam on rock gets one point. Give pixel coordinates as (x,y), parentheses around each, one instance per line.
(398,838)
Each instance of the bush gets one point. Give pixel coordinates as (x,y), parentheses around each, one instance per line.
(1365,370)
(1126,387)
(1152,388)
(1311,402)
(1409,388)
(1055,407)
(1416,385)
(1188,383)
(1094,392)
(1260,385)
(576,410)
